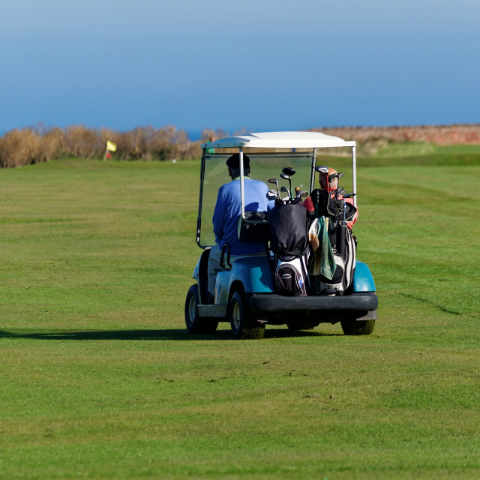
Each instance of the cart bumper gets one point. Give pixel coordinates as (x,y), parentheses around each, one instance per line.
(272,303)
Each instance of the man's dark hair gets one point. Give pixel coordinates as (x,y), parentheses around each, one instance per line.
(234,161)
(236,172)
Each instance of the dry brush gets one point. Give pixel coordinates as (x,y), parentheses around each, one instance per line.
(34,145)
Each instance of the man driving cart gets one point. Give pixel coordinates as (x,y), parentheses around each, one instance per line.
(227,212)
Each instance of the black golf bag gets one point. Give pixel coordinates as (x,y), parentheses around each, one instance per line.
(337,214)
(289,242)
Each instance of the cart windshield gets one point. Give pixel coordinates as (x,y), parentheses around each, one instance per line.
(263,166)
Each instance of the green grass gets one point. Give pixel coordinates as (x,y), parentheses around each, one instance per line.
(410,149)
(99,378)
(382,148)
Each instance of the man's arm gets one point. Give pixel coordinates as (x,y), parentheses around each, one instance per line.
(270,203)
(218,216)
(308,204)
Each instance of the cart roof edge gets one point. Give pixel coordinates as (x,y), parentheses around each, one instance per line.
(280,140)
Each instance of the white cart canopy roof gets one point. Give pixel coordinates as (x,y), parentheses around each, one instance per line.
(280,140)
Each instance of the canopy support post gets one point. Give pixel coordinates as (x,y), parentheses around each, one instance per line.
(242,186)
(312,176)
(354,174)
(200,200)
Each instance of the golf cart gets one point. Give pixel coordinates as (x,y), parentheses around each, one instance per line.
(245,292)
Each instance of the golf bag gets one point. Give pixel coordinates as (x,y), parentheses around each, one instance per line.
(337,214)
(291,275)
(343,275)
(288,228)
(289,242)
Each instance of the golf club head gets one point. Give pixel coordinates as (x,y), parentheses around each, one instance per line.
(322,169)
(338,175)
(349,195)
(303,193)
(272,180)
(284,189)
(271,195)
(284,176)
(289,171)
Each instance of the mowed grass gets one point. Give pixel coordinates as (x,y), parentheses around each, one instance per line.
(408,149)
(99,378)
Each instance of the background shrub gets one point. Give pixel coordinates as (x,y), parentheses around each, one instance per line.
(33,145)
(40,144)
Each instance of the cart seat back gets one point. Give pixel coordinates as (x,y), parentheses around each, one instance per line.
(253,232)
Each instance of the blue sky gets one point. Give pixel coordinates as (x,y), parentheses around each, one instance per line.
(262,65)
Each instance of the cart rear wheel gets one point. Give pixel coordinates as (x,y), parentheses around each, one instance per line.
(194,323)
(243,324)
(351,326)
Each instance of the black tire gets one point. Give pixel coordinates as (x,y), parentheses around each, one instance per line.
(244,325)
(194,323)
(352,326)
(302,326)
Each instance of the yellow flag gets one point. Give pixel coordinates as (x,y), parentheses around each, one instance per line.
(111,147)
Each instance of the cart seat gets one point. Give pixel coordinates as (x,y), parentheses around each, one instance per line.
(253,232)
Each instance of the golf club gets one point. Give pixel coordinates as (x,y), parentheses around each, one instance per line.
(289,172)
(300,193)
(341,232)
(323,170)
(332,177)
(285,190)
(272,195)
(274,180)
(286,177)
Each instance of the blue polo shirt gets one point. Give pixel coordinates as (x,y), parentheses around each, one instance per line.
(229,207)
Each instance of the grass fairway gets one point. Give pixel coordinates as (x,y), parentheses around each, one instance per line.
(99,378)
